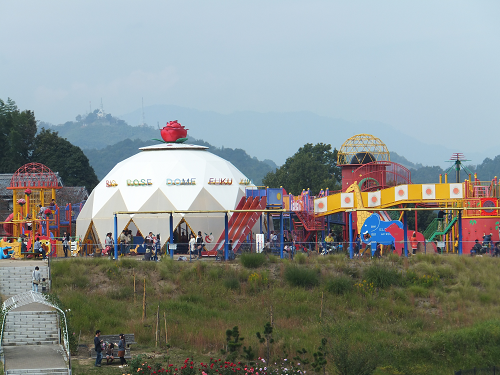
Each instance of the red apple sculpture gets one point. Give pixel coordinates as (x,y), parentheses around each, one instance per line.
(174,132)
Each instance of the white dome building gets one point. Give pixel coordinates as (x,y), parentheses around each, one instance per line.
(164,177)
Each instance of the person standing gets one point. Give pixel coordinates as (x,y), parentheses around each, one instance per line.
(123,242)
(121,350)
(37,248)
(98,348)
(148,241)
(65,242)
(199,244)
(192,244)
(130,241)
(35,279)
(414,243)
(108,245)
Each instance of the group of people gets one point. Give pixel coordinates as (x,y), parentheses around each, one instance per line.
(36,280)
(196,245)
(109,348)
(151,242)
(486,247)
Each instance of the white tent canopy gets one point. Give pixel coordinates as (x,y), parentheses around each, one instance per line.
(165,177)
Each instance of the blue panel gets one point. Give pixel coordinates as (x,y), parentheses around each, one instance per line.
(377,230)
(275,197)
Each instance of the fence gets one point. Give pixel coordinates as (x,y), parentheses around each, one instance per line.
(480,371)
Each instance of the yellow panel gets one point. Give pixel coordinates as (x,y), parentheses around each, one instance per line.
(387,196)
(442,191)
(414,192)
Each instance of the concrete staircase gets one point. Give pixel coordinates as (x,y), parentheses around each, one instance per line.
(31,328)
(17,280)
(31,343)
(49,371)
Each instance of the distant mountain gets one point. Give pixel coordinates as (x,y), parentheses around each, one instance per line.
(277,136)
(403,161)
(97,130)
(104,159)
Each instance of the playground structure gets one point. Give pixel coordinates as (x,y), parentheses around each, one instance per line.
(375,198)
(33,186)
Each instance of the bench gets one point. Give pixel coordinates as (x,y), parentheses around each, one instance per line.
(129,338)
(30,252)
(93,354)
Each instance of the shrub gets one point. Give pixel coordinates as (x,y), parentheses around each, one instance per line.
(232,283)
(382,277)
(339,285)
(252,260)
(300,258)
(302,277)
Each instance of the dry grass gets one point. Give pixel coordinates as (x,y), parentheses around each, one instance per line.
(406,317)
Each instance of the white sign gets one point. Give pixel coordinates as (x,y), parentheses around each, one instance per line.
(259,239)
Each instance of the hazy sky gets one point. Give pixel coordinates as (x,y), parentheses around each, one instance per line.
(430,68)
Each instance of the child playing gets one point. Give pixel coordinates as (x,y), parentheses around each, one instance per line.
(44,286)
(109,353)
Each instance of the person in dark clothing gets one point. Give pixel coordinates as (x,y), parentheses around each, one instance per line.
(199,244)
(98,348)
(476,249)
(65,241)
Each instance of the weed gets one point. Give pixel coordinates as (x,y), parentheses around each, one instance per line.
(232,283)
(300,258)
(302,277)
(382,277)
(252,260)
(339,285)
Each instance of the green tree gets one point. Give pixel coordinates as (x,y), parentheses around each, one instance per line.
(17,136)
(60,155)
(311,167)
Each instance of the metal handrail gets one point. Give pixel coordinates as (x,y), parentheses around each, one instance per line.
(31,297)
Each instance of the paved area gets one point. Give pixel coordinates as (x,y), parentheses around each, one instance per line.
(34,307)
(33,357)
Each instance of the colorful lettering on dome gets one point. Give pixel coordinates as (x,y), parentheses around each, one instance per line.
(111,183)
(141,182)
(245,181)
(180,181)
(220,181)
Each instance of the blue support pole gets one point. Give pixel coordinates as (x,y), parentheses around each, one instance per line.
(260,219)
(405,229)
(226,237)
(460,247)
(281,235)
(268,229)
(116,236)
(171,223)
(351,249)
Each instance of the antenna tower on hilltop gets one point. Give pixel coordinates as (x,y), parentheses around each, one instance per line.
(143,123)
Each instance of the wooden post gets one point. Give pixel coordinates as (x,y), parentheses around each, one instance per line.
(157,323)
(321,309)
(166,336)
(134,287)
(144,302)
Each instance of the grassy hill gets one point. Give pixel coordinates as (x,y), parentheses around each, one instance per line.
(427,315)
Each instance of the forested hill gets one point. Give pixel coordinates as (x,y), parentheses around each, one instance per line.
(103,160)
(97,130)
(107,140)
(486,171)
